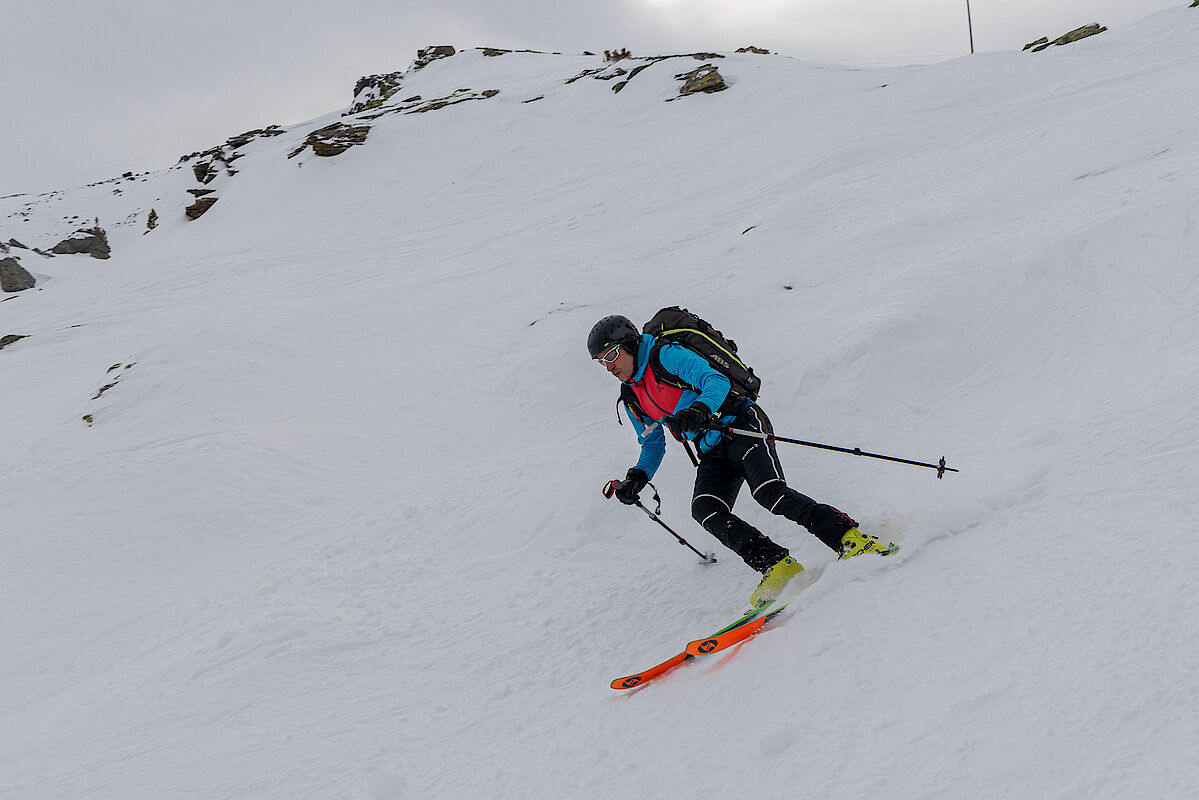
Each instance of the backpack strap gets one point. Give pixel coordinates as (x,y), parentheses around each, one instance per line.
(731,403)
(629,398)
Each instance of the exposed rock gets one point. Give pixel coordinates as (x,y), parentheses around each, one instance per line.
(205,171)
(751,49)
(223,152)
(617,55)
(372,91)
(208,162)
(460,96)
(610,71)
(243,139)
(200,192)
(600,73)
(13,277)
(93,241)
(616,89)
(491,51)
(333,140)
(1066,38)
(152,221)
(428,55)
(704,79)
(5,341)
(197,209)
(15,243)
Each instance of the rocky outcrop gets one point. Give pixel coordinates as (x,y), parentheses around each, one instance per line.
(210,164)
(1065,38)
(499,51)
(92,241)
(751,49)
(427,55)
(200,207)
(333,140)
(704,79)
(372,91)
(460,96)
(11,338)
(14,277)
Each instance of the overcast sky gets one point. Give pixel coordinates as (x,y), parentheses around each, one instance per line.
(90,89)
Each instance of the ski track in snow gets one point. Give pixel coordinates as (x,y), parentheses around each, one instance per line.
(335,527)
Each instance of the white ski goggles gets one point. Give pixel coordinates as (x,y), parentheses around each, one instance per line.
(610,356)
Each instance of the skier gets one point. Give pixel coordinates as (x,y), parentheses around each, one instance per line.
(726,461)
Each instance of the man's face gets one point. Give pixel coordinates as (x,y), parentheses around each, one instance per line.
(619,362)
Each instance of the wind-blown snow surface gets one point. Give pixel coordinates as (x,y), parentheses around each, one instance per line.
(336,531)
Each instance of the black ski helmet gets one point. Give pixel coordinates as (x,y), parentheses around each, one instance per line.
(613,329)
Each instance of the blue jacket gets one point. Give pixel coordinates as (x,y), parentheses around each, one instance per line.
(693,370)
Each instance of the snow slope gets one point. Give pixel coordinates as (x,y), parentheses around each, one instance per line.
(335,529)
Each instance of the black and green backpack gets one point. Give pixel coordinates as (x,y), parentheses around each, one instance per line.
(675,325)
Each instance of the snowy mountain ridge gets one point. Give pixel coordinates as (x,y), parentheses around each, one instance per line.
(301,497)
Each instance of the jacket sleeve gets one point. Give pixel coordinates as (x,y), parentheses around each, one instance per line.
(652,441)
(712,387)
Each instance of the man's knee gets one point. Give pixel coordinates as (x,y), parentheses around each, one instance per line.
(706,506)
(771,493)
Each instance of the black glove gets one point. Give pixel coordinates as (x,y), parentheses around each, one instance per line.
(630,488)
(696,418)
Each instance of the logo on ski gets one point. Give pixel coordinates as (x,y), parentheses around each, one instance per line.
(708,646)
(629,683)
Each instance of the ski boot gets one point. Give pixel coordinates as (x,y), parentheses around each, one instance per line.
(774,579)
(854,543)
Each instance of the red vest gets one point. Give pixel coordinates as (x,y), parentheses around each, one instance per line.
(657,399)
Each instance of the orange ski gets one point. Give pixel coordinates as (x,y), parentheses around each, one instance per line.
(728,638)
(653,672)
(749,619)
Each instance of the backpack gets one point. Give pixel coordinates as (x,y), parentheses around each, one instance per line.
(675,325)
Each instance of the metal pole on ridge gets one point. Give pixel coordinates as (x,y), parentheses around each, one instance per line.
(970,26)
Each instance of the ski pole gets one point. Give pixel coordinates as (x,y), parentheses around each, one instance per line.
(610,489)
(853,451)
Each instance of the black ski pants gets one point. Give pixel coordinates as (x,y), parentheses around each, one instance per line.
(744,459)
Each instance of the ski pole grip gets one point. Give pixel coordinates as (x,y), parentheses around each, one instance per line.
(610,488)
